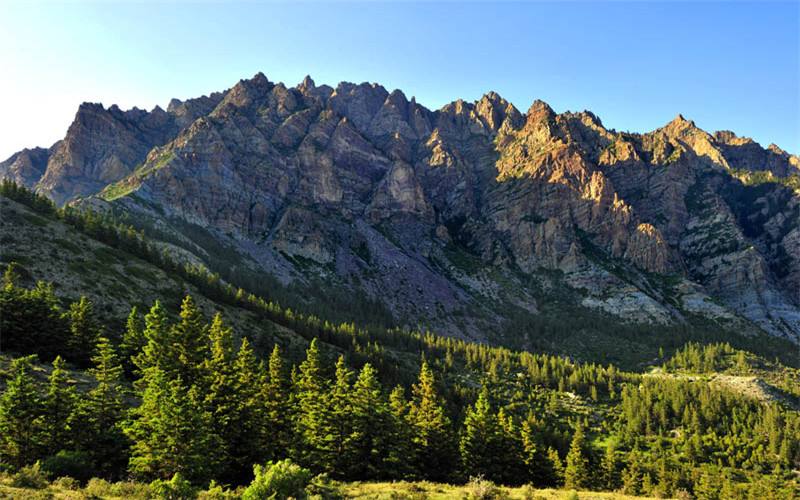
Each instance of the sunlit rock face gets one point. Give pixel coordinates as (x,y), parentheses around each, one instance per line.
(442,215)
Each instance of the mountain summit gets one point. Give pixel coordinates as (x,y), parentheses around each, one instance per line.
(475,220)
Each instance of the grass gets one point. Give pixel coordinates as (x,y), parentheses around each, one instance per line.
(64,488)
(438,491)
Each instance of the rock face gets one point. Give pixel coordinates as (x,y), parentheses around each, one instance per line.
(446,216)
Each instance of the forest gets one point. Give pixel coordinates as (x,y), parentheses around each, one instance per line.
(179,400)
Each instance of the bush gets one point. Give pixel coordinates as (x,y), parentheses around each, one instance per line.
(216,492)
(74,464)
(322,487)
(31,476)
(67,483)
(479,488)
(176,488)
(278,480)
(572,495)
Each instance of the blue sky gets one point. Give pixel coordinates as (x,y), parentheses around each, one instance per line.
(726,65)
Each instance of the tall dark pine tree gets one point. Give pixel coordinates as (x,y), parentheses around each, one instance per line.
(576,471)
(99,415)
(84,331)
(313,430)
(133,340)
(21,417)
(189,342)
(59,407)
(480,440)
(371,429)
(172,432)
(431,428)
(277,428)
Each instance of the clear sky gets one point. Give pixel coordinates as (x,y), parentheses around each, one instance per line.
(726,65)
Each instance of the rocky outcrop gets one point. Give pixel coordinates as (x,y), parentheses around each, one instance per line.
(26,167)
(438,214)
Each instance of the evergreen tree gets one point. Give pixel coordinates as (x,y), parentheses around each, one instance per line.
(431,429)
(133,340)
(172,433)
(250,439)
(400,459)
(556,466)
(84,331)
(155,353)
(609,468)
(370,429)
(340,424)
(278,416)
(99,415)
(313,423)
(480,444)
(21,417)
(189,338)
(221,395)
(576,472)
(59,407)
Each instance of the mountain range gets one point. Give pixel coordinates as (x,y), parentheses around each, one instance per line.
(476,220)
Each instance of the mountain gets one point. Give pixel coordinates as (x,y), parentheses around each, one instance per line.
(476,220)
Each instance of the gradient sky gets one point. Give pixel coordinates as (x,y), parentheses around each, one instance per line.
(726,65)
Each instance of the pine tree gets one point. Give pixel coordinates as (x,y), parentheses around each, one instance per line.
(189,342)
(576,472)
(313,422)
(21,416)
(172,433)
(480,440)
(556,466)
(133,340)
(278,417)
(84,331)
(250,439)
(370,429)
(632,475)
(431,428)
(400,459)
(59,407)
(609,468)
(221,397)
(155,353)
(99,415)
(340,420)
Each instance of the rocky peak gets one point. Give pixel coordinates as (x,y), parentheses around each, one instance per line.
(494,112)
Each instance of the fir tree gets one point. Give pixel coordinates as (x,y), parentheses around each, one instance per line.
(59,407)
(189,342)
(370,429)
(21,417)
(313,422)
(172,433)
(99,415)
(480,440)
(84,330)
(400,459)
(609,468)
(133,340)
(278,417)
(431,429)
(576,472)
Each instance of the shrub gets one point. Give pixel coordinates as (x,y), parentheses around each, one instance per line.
(67,483)
(278,480)
(97,487)
(176,488)
(479,488)
(322,487)
(31,476)
(216,492)
(572,495)
(74,464)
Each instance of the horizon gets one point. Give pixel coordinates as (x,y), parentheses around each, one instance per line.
(737,68)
